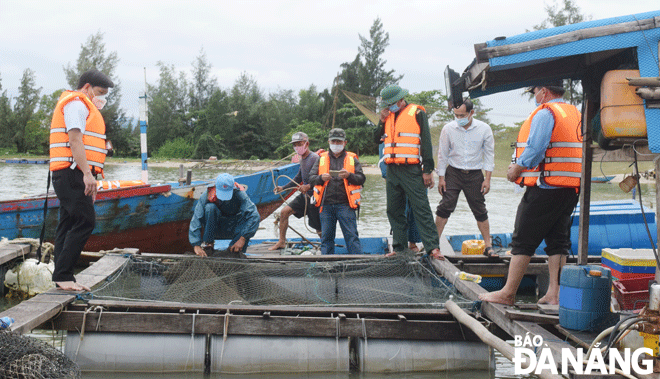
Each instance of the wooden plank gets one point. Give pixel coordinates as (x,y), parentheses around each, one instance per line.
(502,268)
(549,309)
(497,312)
(439,313)
(531,316)
(33,312)
(11,251)
(577,35)
(626,153)
(585,186)
(177,323)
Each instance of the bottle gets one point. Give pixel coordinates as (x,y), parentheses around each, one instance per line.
(471,277)
(5,322)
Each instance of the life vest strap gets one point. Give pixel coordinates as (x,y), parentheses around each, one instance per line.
(530,174)
(394,144)
(562,160)
(93,134)
(61,144)
(562,173)
(61,159)
(97,149)
(57,130)
(565,144)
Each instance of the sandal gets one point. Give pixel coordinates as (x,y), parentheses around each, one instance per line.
(490,253)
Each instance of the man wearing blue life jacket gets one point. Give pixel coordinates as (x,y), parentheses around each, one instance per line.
(224,211)
(548,161)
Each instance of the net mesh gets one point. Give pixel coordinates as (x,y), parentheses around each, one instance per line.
(369,106)
(27,358)
(378,282)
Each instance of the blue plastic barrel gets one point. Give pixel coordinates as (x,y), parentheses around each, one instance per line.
(584,297)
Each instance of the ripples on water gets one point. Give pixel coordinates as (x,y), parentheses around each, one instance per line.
(18,180)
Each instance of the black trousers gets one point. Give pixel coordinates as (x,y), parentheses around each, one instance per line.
(544,214)
(77,220)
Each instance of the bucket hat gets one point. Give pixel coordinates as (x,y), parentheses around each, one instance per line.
(391,94)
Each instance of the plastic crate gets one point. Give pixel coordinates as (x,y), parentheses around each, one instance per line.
(632,293)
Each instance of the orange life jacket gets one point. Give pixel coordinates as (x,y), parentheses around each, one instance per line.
(562,165)
(112,184)
(352,191)
(403,137)
(93,137)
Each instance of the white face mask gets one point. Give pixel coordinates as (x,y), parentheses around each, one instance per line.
(99,101)
(336,148)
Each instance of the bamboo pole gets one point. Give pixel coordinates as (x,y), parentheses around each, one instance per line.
(487,337)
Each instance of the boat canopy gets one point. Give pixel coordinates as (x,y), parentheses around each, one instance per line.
(583,51)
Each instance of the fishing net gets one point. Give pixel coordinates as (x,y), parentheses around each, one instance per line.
(27,358)
(369,106)
(377,282)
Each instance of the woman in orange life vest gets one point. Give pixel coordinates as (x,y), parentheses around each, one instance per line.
(77,155)
(547,163)
(338,178)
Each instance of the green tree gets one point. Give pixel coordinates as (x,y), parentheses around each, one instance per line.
(93,55)
(203,84)
(245,137)
(559,15)
(5,118)
(310,105)
(168,107)
(372,74)
(24,108)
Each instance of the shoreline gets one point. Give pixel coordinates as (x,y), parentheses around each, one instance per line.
(368,169)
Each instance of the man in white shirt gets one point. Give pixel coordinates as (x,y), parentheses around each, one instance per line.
(466,148)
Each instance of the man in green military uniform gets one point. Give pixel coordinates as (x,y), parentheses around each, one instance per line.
(408,154)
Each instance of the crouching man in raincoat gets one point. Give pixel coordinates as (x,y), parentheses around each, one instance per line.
(224,211)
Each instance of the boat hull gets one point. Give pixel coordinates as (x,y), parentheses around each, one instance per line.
(152,218)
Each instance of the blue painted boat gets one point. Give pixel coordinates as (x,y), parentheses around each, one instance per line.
(602,179)
(152,218)
(27,161)
(612,224)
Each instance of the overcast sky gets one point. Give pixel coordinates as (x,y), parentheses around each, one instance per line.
(282,44)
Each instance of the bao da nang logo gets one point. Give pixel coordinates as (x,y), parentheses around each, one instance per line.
(532,356)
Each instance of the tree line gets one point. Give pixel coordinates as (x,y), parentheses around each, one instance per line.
(191,116)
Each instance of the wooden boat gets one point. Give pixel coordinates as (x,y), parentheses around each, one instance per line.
(152,218)
(602,179)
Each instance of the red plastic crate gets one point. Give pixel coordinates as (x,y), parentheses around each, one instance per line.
(632,293)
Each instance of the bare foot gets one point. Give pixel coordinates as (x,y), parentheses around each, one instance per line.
(435,253)
(391,254)
(413,247)
(497,297)
(547,299)
(277,246)
(71,286)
